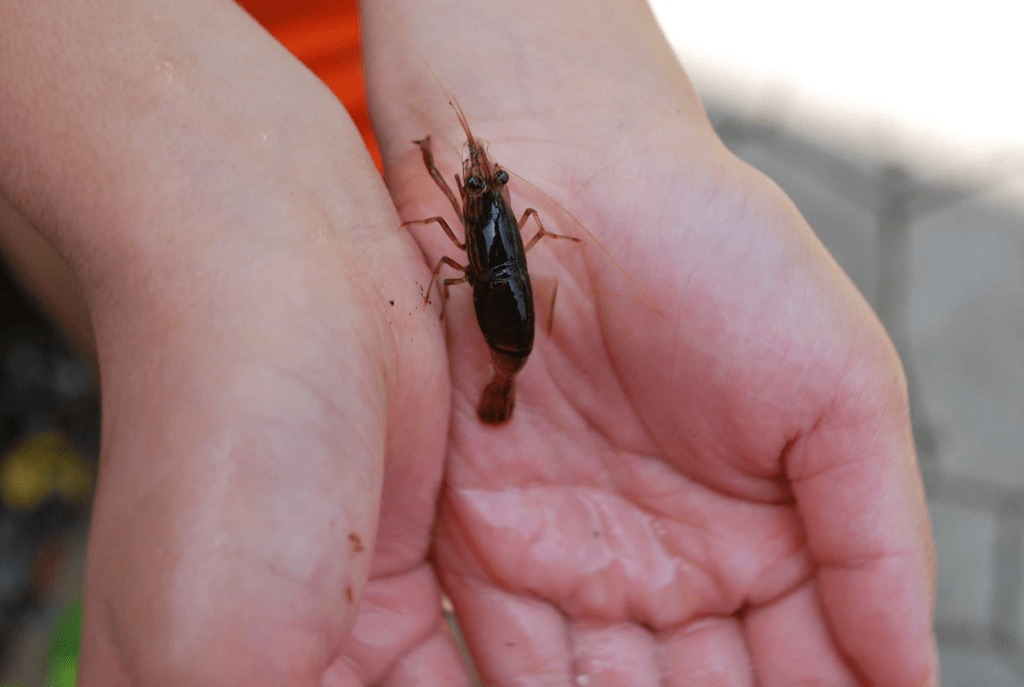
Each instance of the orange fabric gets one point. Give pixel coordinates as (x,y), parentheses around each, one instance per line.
(324,35)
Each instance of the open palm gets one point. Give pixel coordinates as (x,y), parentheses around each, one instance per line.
(709,476)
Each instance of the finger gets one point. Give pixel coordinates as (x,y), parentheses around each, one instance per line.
(791,643)
(515,641)
(860,496)
(399,637)
(436,662)
(615,654)
(712,651)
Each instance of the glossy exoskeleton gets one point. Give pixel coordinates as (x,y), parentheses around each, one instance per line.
(497,272)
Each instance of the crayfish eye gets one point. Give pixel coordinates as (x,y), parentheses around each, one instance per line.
(501,177)
(475,183)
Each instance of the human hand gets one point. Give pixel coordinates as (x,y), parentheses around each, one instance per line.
(221,554)
(266,364)
(719,490)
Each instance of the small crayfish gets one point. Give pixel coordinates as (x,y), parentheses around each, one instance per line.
(497,272)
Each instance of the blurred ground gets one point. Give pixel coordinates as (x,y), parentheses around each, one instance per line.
(49,436)
(941,259)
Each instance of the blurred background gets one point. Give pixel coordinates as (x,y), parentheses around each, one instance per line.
(49,438)
(897,127)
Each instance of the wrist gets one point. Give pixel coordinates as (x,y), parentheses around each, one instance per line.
(162,131)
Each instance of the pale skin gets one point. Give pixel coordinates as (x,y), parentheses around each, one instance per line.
(721,490)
